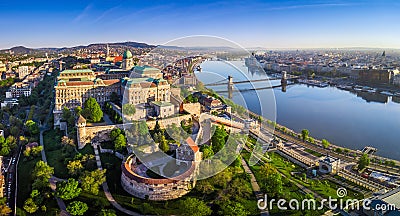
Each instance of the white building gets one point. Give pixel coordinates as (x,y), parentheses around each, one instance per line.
(163,109)
(329,164)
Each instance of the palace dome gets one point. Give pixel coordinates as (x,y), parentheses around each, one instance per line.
(127,54)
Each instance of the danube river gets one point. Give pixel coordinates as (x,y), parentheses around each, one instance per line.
(348,119)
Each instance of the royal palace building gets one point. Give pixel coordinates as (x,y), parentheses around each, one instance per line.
(74,87)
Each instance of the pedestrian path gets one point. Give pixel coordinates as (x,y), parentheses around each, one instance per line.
(106,190)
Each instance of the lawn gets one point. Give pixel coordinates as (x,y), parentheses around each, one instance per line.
(25,180)
(54,154)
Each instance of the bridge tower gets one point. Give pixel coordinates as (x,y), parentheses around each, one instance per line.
(230,87)
(284,81)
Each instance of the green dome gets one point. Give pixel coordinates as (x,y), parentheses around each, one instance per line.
(127,54)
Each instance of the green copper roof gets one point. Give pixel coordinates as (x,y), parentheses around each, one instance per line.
(145,68)
(162,103)
(127,54)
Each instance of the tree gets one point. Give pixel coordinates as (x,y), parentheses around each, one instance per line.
(231,208)
(32,127)
(325,143)
(163,144)
(4,209)
(218,139)
(67,190)
(114,98)
(128,109)
(92,180)
(74,167)
(363,162)
(42,170)
(30,206)
(120,142)
(67,141)
(35,151)
(107,212)
(92,110)
(271,179)
(78,110)
(304,134)
(207,151)
(194,207)
(77,208)
(115,133)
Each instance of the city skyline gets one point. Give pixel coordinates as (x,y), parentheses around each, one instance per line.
(272,24)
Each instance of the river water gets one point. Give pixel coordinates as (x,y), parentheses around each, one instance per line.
(348,119)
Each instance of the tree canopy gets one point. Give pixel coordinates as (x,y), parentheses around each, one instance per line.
(92,180)
(77,208)
(363,162)
(194,207)
(304,134)
(67,190)
(92,110)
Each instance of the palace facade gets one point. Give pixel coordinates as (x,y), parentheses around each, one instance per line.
(74,87)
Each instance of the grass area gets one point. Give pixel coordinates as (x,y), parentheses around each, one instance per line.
(317,154)
(25,179)
(54,153)
(324,188)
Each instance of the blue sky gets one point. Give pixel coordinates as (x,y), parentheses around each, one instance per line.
(271,24)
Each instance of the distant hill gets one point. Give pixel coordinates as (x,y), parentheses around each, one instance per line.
(21,50)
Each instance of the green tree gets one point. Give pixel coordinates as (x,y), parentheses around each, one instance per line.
(114,98)
(107,212)
(35,151)
(271,179)
(78,110)
(42,170)
(32,127)
(120,142)
(163,144)
(92,180)
(128,109)
(77,208)
(115,133)
(74,167)
(304,134)
(92,110)
(207,151)
(30,206)
(218,139)
(363,162)
(325,143)
(67,190)
(194,207)
(231,208)
(4,209)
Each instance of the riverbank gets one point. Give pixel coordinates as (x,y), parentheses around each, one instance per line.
(349,119)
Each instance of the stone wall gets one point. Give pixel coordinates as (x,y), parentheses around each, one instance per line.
(192,108)
(86,134)
(168,121)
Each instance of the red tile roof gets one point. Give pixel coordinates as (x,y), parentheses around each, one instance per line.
(192,144)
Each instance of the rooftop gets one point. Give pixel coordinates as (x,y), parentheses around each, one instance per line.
(162,103)
(76,71)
